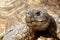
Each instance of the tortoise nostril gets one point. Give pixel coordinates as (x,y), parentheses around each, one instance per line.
(38,13)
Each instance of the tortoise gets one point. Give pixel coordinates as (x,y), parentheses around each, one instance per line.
(39,19)
(34,20)
(11,14)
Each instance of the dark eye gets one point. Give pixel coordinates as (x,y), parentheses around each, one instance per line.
(38,13)
(28,13)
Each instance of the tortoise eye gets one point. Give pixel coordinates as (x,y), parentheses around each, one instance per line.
(38,13)
(27,13)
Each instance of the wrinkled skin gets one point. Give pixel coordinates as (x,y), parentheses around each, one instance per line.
(37,19)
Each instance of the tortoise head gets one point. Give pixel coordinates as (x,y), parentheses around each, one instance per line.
(38,19)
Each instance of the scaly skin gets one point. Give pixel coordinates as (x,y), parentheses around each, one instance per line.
(20,32)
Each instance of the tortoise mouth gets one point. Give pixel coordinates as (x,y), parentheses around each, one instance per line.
(36,23)
(43,20)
